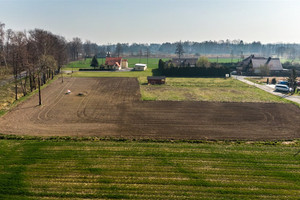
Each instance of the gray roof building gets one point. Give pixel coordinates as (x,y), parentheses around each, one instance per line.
(252,64)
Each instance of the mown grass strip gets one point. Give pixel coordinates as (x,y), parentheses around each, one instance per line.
(59,169)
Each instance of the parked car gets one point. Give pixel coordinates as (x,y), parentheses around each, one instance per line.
(282,88)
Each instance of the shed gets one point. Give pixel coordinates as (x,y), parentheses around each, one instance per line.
(156,80)
(140,67)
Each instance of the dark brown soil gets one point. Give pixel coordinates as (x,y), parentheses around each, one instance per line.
(112,107)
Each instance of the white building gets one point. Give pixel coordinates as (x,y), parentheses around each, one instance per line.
(140,67)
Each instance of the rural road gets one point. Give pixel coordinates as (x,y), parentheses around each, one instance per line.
(269,88)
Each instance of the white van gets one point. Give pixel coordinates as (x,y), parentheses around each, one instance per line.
(282,88)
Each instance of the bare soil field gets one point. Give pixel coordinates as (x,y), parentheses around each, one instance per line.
(112,107)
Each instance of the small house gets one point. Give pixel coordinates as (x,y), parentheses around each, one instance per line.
(153,80)
(140,67)
(116,63)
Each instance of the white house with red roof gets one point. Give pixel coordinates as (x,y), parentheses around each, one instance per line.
(116,63)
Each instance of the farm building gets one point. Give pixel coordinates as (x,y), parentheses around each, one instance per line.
(185,62)
(140,67)
(252,65)
(153,80)
(116,63)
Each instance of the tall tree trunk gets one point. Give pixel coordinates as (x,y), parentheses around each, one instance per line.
(39,85)
(16,87)
(30,81)
(33,82)
(23,85)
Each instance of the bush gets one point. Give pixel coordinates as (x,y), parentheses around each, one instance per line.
(273,81)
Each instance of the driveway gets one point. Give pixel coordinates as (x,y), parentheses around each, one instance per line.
(269,88)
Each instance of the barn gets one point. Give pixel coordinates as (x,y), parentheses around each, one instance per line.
(153,80)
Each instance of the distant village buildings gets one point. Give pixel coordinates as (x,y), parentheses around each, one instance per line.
(253,65)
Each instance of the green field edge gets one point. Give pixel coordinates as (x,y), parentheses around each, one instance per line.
(291,142)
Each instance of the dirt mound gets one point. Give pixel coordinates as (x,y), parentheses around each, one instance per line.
(112,107)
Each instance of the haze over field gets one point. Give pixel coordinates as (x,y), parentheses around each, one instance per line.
(150,21)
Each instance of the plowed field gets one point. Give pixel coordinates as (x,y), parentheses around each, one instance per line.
(112,107)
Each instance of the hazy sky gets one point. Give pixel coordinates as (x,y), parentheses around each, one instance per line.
(157,21)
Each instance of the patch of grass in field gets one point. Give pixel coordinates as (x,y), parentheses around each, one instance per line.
(146,73)
(152,62)
(81,64)
(147,170)
(207,89)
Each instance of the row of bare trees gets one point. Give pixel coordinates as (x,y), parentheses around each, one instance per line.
(35,56)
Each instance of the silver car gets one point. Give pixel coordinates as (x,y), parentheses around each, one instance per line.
(282,88)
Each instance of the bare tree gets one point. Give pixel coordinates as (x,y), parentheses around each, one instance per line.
(20,63)
(75,48)
(2,38)
(179,49)
(119,49)
(148,54)
(87,47)
(293,81)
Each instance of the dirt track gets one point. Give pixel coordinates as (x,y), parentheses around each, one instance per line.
(112,107)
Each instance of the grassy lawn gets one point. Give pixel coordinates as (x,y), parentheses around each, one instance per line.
(49,169)
(207,89)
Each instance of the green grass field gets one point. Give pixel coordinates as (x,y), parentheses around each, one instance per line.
(207,89)
(64,169)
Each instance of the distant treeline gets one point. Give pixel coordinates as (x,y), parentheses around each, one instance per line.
(234,48)
(214,70)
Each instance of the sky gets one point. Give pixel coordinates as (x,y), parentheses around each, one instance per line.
(157,21)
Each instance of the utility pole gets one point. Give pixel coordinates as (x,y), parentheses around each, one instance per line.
(148,52)
(140,55)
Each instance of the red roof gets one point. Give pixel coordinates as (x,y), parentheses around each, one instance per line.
(110,61)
